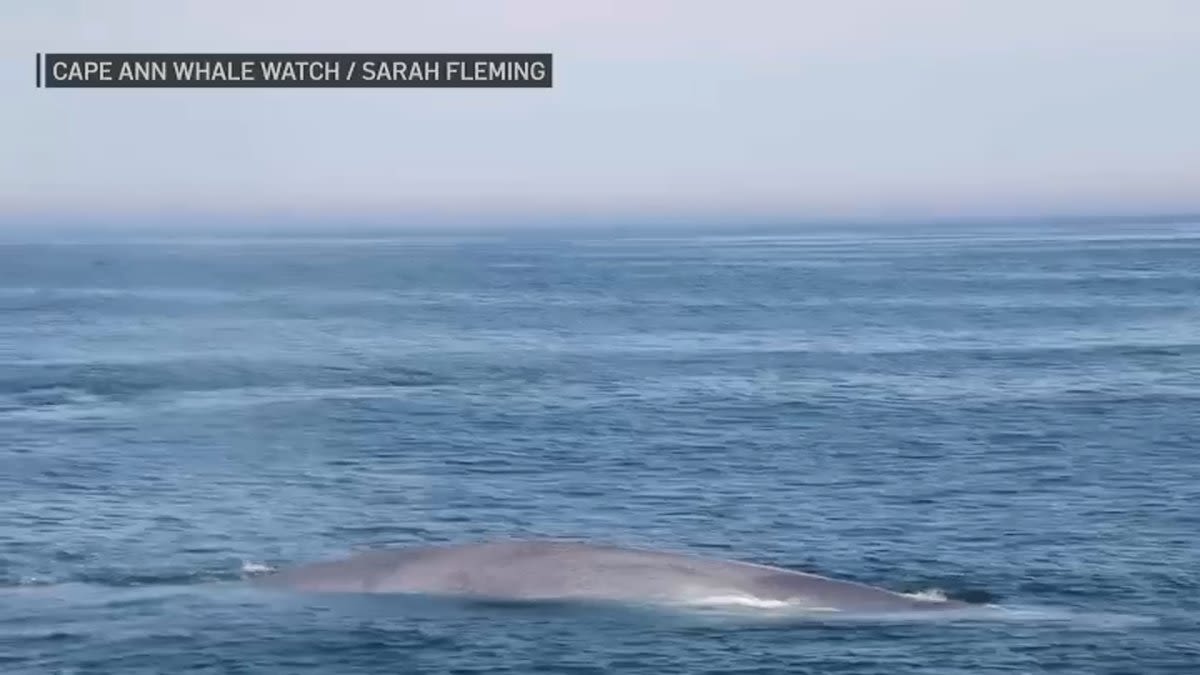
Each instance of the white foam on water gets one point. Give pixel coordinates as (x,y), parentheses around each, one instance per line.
(928,595)
(250,568)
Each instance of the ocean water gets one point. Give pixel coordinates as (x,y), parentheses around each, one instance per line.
(1005,415)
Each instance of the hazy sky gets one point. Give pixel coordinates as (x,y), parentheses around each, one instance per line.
(804,108)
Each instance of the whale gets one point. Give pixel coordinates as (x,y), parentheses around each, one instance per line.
(554,570)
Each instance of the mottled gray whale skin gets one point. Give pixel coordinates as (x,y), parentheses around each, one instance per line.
(564,570)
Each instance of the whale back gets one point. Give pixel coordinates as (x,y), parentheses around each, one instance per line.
(559,570)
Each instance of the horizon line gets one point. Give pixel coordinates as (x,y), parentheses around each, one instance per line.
(187,222)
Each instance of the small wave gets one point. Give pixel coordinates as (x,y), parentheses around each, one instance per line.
(47,397)
(66,404)
(253,569)
(27,584)
(1090,619)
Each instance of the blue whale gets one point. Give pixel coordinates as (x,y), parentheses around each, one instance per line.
(565,570)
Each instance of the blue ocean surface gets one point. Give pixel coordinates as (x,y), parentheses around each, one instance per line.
(1005,415)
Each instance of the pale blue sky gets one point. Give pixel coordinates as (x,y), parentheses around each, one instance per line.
(807,109)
